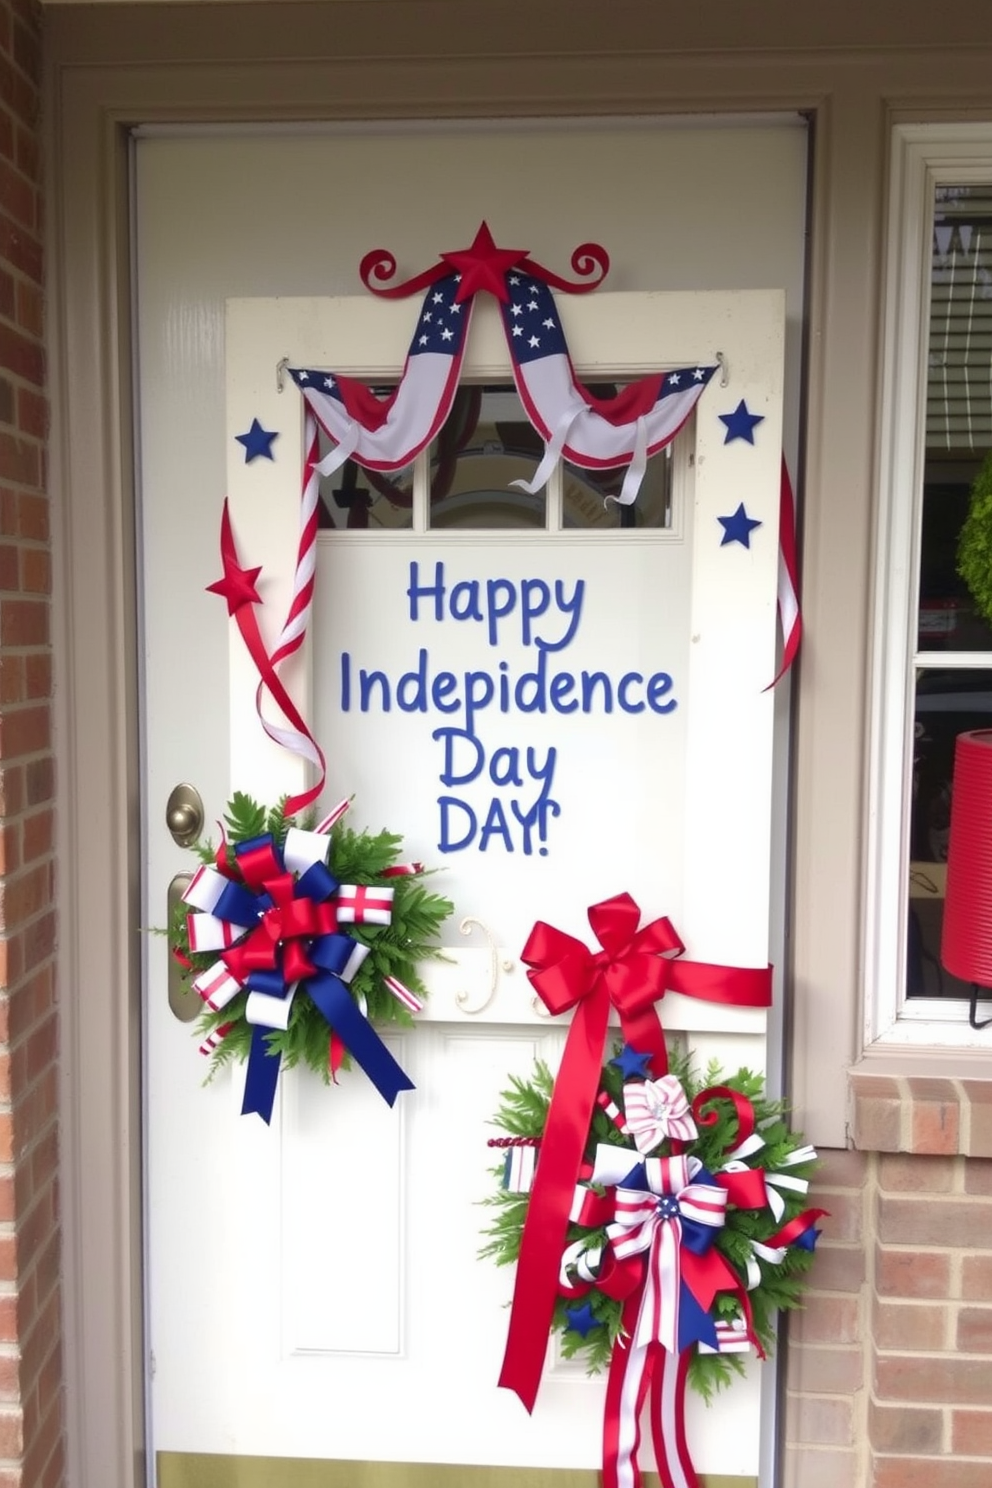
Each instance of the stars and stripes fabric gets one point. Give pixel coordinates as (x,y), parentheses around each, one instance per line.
(594,433)
(385,432)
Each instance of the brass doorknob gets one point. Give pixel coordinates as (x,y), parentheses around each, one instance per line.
(184,814)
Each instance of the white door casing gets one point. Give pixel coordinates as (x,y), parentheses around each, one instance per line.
(252,1344)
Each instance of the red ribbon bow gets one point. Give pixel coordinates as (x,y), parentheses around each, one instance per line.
(631,972)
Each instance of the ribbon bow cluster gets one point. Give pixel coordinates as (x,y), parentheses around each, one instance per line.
(275,917)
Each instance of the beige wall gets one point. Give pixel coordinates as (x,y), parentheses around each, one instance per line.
(108,68)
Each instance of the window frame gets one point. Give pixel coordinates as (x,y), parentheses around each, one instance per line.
(923,156)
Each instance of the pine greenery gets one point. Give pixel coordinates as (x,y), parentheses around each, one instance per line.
(395,949)
(523,1112)
(975,542)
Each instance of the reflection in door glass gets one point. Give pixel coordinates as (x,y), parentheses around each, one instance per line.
(587,496)
(357,499)
(486,444)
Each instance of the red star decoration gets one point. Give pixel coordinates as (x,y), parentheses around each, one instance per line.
(483,265)
(237,586)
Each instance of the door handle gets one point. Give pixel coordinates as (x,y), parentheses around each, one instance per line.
(184,814)
(184,1003)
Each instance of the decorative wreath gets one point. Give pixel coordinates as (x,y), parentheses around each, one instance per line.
(298,939)
(711,1160)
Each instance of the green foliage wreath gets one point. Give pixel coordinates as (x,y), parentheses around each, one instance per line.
(395,950)
(523,1115)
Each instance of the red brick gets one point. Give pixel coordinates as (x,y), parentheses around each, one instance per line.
(839,1268)
(38,940)
(37,674)
(25,151)
(911,1377)
(841,1169)
(976,1278)
(36,571)
(42,1047)
(821,1420)
(30,307)
(10,567)
(8,1317)
(826,1319)
(978,1176)
(11,1437)
(20,460)
(38,833)
(928,1472)
(845,1220)
(934,1221)
(32,515)
(32,413)
(904,1428)
(10,847)
(13,678)
(23,356)
(20,248)
(811,1467)
(910,1325)
(910,1173)
(17,195)
(936,1124)
(975,1330)
(17,91)
(25,894)
(8,1259)
(971,1433)
(825,1371)
(39,781)
(23,622)
(877,1123)
(25,730)
(11,959)
(12,778)
(27,52)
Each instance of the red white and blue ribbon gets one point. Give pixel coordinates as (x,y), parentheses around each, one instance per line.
(274,918)
(656,1110)
(632,971)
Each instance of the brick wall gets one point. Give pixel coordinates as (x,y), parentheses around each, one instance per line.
(889,1377)
(30,1304)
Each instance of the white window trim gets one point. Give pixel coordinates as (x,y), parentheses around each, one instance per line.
(923,156)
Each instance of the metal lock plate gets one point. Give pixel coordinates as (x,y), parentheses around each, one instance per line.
(184,1002)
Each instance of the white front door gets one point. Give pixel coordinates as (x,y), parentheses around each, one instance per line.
(286,1316)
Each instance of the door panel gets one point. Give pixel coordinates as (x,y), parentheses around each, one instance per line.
(271,1329)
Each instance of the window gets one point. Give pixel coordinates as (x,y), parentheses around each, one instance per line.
(933,656)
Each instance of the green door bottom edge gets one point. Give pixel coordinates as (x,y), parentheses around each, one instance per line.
(210,1470)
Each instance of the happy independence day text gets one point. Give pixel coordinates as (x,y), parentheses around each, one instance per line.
(548,620)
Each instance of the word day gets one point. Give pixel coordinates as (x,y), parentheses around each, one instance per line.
(504,789)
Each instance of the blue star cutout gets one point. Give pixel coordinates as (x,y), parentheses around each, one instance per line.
(632,1064)
(740,424)
(738,527)
(257,441)
(580,1319)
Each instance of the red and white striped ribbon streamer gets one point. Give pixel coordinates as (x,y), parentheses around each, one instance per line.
(607,1104)
(403,994)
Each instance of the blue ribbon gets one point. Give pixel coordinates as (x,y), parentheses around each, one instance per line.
(327,990)
(331,953)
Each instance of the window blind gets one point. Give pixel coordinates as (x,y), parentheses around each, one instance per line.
(959,381)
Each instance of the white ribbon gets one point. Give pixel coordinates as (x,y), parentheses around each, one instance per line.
(656,1110)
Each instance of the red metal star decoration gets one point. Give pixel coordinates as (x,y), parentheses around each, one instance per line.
(483,266)
(237,586)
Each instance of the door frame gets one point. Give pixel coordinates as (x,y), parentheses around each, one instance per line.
(102,81)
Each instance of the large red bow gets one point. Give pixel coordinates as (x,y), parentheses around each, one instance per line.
(630,973)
